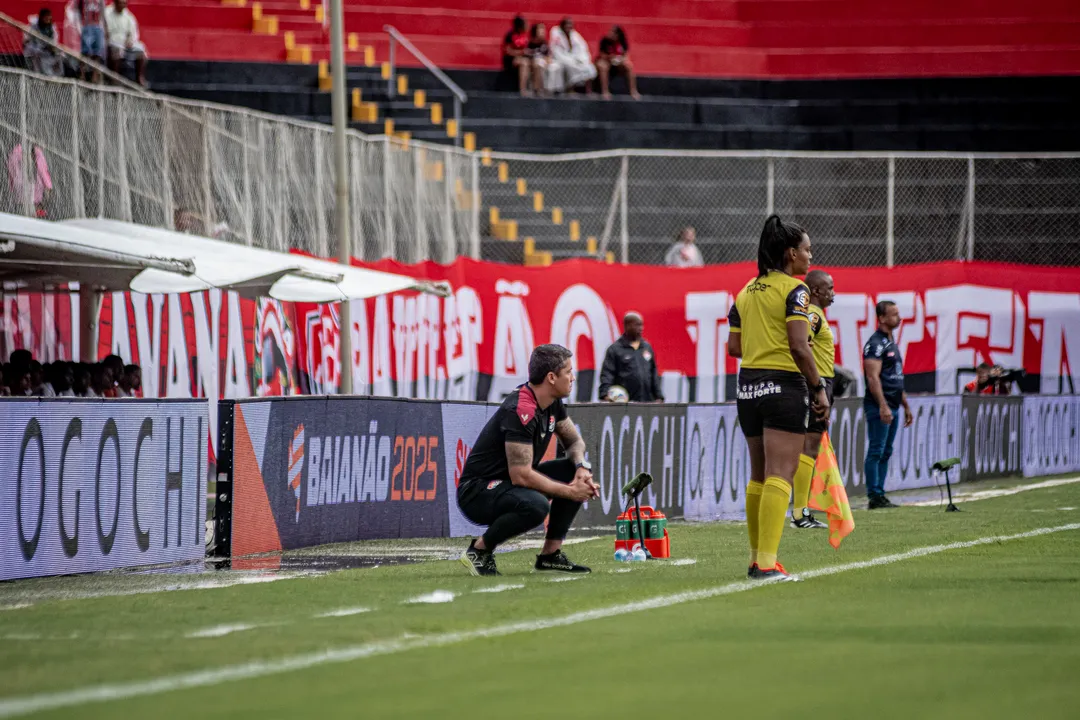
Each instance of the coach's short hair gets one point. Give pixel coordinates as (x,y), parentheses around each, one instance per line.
(883,307)
(547,359)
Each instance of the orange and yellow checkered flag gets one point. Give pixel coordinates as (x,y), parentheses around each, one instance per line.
(828,495)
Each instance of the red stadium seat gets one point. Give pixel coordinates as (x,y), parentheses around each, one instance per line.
(707,38)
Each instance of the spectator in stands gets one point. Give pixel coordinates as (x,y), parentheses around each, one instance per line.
(17,379)
(614,59)
(37,379)
(124,45)
(59,376)
(115,365)
(101,382)
(684,253)
(631,364)
(131,381)
(80,384)
(72,36)
(981,384)
(21,357)
(571,51)
(92,22)
(545,71)
(41,56)
(516,55)
(33,194)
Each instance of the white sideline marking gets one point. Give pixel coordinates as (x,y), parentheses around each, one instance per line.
(439,596)
(566,579)
(498,588)
(15,706)
(342,612)
(960,496)
(682,561)
(220,630)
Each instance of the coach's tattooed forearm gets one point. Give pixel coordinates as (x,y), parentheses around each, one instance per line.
(570,439)
(519,455)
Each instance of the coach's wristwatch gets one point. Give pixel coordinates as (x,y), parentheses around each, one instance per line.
(820,386)
(584,465)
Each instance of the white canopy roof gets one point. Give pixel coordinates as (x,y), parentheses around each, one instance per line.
(113,255)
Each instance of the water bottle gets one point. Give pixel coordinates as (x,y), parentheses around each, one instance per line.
(638,554)
(622,555)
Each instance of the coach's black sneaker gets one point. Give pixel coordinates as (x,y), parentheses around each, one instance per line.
(875,502)
(807,521)
(480,562)
(558,562)
(887,503)
(777,573)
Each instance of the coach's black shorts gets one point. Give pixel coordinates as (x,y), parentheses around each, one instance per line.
(816,424)
(774,399)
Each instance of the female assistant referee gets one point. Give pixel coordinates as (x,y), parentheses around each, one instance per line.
(769,330)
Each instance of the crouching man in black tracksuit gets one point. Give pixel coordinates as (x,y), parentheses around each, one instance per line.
(506,487)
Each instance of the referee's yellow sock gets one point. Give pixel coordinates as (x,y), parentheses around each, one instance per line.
(753,508)
(771,518)
(803,476)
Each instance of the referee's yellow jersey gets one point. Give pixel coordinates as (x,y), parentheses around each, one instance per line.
(821,340)
(761,313)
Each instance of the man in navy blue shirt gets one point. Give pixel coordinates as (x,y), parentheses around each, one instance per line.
(884,371)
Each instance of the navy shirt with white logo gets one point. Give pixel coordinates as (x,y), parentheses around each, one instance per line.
(881,347)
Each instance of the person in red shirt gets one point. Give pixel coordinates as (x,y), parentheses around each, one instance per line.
(516,53)
(614,58)
(981,383)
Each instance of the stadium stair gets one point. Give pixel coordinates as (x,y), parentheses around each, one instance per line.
(277,53)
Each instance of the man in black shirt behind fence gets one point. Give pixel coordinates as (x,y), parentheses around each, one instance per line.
(506,487)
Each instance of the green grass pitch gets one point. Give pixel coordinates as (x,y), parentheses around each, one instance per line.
(989,631)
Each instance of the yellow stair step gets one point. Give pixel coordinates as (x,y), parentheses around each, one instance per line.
(556,215)
(504,172)
(538,201)
(493,215)
(575,230)
(369,56)
(538,259)
(402,84)
(469,142)
(522,187)
(590,244)
(419,99)
(505,230)
(451,128)
(436,114)
(485,157)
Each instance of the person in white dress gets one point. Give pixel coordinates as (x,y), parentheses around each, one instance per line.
(571,51)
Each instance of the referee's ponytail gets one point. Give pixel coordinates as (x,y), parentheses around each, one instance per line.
(776,237)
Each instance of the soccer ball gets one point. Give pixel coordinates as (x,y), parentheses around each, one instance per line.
(618,394)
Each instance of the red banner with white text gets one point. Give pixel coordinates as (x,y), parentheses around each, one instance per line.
(475,344)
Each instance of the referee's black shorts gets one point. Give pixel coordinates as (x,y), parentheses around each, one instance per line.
(816,424)
(775,399)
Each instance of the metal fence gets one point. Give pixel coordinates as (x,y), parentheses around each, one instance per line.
(239,175)
(268,181)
